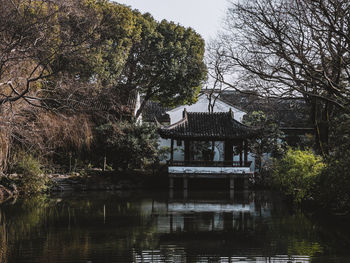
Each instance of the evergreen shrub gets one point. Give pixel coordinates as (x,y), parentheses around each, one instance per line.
(297,173)
(31,179)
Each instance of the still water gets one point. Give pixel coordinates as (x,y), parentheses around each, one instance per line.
(167,227)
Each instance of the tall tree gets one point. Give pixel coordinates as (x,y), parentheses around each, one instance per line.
(54,54)
(291,48)
(86,40)
(165,64)
(268,140)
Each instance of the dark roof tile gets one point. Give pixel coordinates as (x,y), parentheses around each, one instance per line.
(207,126)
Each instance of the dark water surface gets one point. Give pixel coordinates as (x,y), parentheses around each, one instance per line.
(167,227)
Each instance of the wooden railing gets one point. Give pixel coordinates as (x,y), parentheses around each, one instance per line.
(209,163)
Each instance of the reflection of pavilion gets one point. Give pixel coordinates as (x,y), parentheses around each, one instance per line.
(198,135)
(211,216)
(196,230)
(189,207)
(177,254)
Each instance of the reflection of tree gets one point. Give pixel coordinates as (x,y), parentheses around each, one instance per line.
(267,230)
(3,239)
(76,228)
(294,234)
(103,227)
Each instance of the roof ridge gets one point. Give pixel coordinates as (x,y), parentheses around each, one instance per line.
(230,104)
(183,120)
(207,125)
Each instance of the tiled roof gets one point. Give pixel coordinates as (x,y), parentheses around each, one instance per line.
(154,111)
(287,112)
(207,126)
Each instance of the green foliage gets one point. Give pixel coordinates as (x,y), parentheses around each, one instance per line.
(297,173)
(128,145)
(201,150)
(82,59)
(116,25)
(31,179)
(163,153)
(333,191)
(166,63)
(269,138)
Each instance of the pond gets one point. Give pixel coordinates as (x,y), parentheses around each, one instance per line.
(146,226)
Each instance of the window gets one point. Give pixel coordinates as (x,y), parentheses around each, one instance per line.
(178,142)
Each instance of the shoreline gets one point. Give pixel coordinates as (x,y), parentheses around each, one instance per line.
(108,181)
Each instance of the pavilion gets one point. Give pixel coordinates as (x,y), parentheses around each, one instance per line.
(201,134)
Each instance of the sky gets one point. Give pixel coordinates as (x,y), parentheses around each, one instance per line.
(204,16)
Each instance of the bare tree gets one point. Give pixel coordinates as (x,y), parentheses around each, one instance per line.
(216,69)
(40,39)
(53,55)
(291,49)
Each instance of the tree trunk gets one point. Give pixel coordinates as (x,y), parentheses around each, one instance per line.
(143,104)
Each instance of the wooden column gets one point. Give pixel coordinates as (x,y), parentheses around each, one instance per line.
(187,150)
(245,153)
(240,153)
(171,183)
(171,223)
(172,151)
(185,183)
(185,194)
(245,183)
(228,151)
(212,150)
(232,194)
(232,183)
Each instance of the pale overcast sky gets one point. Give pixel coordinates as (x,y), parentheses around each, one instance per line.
(204,16)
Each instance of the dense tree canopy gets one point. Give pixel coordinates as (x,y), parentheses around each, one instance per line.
(41,40)
(83,60)
(166,63)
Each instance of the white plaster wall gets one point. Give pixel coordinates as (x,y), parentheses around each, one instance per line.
(179,151)
(207,170)
(219,151)
(202,106)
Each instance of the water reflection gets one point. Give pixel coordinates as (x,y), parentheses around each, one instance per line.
(192,229)
(165,227)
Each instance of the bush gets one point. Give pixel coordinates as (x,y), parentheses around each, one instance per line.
(297,173)
(31,179)
(269,140)
(333,189)
(128,145)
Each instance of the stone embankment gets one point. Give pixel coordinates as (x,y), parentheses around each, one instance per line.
(69,183)
(76,182)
